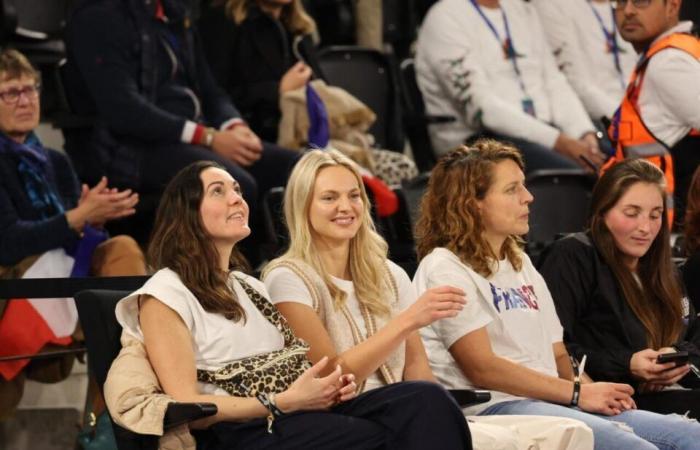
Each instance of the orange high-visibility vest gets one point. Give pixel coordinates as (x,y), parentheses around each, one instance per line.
(628,132)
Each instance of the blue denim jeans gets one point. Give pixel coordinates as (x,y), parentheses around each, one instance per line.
(651,430)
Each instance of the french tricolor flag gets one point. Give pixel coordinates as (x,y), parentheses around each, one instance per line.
(27,325)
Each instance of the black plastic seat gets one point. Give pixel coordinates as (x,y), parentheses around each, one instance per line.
(368,75)
(102,334)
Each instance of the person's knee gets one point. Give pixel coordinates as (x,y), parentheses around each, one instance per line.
(118,256)
(494,437)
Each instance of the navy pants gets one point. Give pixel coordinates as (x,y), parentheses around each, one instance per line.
(407,415)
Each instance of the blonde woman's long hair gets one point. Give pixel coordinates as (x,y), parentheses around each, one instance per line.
(449,212)
(294,16)
(368,251)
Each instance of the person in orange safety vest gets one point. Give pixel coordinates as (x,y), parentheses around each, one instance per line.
(659,118)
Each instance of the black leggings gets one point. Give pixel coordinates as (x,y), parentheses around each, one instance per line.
(407,415)
(671,401)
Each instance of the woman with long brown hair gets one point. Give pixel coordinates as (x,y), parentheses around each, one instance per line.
(508,338)
(618,293)
(211,335)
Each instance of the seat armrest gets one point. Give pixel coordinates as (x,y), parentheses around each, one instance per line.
(469,397)
(179,413)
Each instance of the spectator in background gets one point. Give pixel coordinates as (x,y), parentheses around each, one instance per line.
(253,49)
(158,106)
(589,50)
(43,208)
(659,117)
(619,296)
(691,233)
(487,63)
(508,337)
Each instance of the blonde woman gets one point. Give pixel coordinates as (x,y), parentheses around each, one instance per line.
(341,294)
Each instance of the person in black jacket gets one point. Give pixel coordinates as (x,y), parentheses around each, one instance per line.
(158,106)
(691,243)
(254,49)
(619,296)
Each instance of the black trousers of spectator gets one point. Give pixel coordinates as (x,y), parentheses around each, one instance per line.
(671,401)
(406,416)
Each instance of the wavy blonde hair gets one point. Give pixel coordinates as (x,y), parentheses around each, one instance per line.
(368,251)
(294,16)
(449,213)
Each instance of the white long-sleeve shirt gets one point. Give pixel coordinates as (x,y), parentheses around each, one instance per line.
(462,72)
(581,50)
(669,101)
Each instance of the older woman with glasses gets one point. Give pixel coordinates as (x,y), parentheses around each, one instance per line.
(44,212)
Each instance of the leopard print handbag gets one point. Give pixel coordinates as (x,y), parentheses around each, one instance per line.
(267,373)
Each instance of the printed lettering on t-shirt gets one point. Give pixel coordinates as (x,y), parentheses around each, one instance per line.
(514,298)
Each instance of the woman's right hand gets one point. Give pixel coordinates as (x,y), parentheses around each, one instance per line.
(309,392)
(609,399)
(295,77)
(644,367)
(435,304)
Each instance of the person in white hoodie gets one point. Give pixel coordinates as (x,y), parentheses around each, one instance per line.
(487,63)
(589,50)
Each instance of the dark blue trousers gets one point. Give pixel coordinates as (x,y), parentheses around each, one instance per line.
(408,415)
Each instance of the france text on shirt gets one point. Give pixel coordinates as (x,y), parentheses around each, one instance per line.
(514,298)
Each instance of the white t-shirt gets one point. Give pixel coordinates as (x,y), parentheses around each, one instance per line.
(581,51)
(669,101)
(515,307)
(462,72)
(285,286)
(216,341)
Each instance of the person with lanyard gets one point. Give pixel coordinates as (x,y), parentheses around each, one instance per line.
(139,67)
(487,63)
(508,337)
(49,225)
(589,50)
(659,117)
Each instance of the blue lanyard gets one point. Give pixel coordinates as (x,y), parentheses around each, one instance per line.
(508,47)
(611,41)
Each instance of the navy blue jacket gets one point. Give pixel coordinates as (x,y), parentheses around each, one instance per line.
(142,90)
(23,232)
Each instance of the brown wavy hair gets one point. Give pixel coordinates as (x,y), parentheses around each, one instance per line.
(691,223)
(449,214)
(180,242)
(294,17)
(655,295)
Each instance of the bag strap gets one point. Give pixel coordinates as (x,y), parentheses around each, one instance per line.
(270,311)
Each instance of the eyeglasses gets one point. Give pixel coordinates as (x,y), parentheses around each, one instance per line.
(11,96)
(621,4)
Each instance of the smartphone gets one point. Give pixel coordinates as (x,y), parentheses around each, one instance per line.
(679,358)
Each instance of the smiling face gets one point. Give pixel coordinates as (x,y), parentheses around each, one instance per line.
(18,118)
(505,207)
(635,220)
(336,209)
(224,212)
(641,25)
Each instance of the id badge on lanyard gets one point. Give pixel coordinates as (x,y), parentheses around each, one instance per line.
(528,106)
